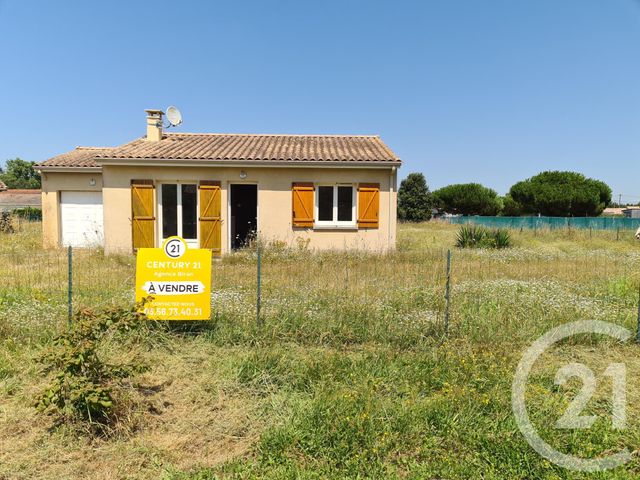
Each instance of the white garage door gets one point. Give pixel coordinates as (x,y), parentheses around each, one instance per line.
(81,218)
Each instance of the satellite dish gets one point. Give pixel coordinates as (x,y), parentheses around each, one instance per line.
(174,116)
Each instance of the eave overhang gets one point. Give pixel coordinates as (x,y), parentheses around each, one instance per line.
(155,162)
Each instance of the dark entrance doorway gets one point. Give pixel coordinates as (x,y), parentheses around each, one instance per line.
(244,214)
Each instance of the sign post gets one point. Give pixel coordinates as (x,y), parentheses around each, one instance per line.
(175,280)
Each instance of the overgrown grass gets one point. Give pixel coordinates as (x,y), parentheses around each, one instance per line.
(349,377)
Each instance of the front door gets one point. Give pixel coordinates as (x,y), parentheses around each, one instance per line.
(244,213)
(178,212)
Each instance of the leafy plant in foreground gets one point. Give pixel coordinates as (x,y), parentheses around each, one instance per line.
(82,387)
(501,238)
(471,236)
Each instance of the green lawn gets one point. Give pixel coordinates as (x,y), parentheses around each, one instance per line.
(350,375)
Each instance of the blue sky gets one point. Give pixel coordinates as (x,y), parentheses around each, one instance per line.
(491,91)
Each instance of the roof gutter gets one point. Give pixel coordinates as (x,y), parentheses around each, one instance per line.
(156,162)
(52,169)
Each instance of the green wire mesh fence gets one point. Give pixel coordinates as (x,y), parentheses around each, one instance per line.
(595,223)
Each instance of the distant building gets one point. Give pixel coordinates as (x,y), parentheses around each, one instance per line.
(14,199)
(613,212)
(631,212)
(3,187)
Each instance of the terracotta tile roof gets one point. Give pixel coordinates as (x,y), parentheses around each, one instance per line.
(293,148)
(238,147)
(80,157)
(612,211)
(11,199)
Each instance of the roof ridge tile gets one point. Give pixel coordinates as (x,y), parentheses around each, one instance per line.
(311,135)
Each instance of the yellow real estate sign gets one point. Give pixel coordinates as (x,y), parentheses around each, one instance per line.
(176,279)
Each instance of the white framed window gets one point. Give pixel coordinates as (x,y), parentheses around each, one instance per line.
(335,206)
(178,211)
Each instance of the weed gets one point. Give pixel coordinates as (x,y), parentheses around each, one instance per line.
(6,223)
(82,387)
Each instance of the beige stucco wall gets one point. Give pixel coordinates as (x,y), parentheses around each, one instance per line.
(274,203)
(52,184)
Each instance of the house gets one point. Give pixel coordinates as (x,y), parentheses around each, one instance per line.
(11,199)
(219,190)
(631,212)
(613,212)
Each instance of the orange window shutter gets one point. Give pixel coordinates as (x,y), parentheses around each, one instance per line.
(368,205)
(143,220)
(302,205)
(210,216)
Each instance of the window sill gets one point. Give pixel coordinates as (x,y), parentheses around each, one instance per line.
(336,227)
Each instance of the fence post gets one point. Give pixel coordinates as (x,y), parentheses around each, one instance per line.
(638,327)
(618,233)
(70,283)
(447,294)
(259,286)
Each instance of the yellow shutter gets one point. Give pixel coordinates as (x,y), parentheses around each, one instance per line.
(368,205)
(143,221)
(210,217)
(302,204)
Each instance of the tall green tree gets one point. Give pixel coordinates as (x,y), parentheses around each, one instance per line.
(468,199)
(510,208)
(561,194)
(414,199)
(20,174)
